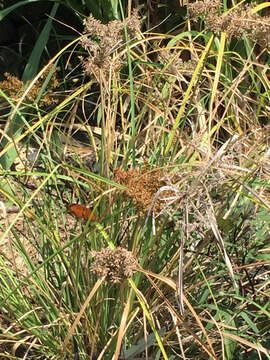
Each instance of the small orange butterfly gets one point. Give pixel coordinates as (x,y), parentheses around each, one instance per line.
(82,211)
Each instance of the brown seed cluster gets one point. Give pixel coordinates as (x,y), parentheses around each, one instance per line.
(102,42)
(116,265)
(203,7)
(14,88)
(237,22)
(141,186)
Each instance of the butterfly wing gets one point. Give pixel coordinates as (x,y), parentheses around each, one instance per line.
(82,211)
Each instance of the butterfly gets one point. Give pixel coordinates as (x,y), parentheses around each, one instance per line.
(82,211)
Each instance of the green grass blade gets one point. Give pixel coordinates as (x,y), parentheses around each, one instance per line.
(6,11)
(146,312)
(188,93)
(32,65)
(216,81)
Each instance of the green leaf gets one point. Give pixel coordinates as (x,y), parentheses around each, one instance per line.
(248,321)
(141,344)
(33,62)
(75,5)
(5,12)
(181,36)
(104,10)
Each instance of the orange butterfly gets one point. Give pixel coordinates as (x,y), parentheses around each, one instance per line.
(82,211)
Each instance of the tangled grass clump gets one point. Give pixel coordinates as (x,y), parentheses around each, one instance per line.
(194,104)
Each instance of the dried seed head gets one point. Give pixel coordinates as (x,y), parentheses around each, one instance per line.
(238,21)
(141,186)
(115,264)
(14,87)
(103,41)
